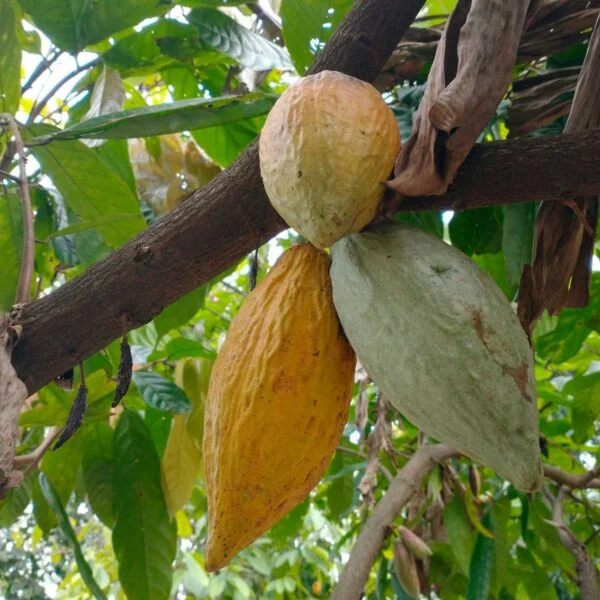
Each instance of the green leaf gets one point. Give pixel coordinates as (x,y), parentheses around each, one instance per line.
(494,265)
(382,577)
(477,231)
(307,25)
(197,3)
(535,579)
(63,522)
(232,39)
(160,45)
(11,244)
(482,562)
(10,58)
(182,458)
(44,516)
(517,239)
(181,465)
(460,536)
(89,187)
(429,221)
(74,24)
(174,117)
(181,347)
(193,375)
(501,514)
(159,426)
(62,466)
(585,406)
(161,393)
(573,327)
(224,144)
(14,503)
(180,312)
(341,492)
(97,465)
(115,155)
(144,538)
(93,224)
(291,523)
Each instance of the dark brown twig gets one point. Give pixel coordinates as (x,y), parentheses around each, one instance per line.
(41,104)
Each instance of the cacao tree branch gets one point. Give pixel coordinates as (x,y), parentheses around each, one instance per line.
(376,528)
(583,480)
(587,574)
(213,229)
(220,223)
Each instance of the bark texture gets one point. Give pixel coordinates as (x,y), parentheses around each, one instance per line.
(213,229)
(222,222)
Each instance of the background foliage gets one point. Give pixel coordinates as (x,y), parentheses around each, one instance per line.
(178,89)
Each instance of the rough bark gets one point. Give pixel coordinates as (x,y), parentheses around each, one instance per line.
(214,228)
(219,224)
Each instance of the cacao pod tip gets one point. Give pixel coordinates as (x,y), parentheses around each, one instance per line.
(414,543)
(406,569)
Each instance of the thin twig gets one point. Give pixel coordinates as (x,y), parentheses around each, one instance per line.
(41,104)
(584,480)
(13,178)
(384,470)
(587,575)
(31,460)
(376,529)
(24,288)
(43,65)
(234,288)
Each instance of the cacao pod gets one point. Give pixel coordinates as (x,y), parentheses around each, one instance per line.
(277,403)
(443,344)
(326,148)
(414,543)
(406,570)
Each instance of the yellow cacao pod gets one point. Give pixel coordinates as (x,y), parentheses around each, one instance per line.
(443,344)
(277,402)
(326,148)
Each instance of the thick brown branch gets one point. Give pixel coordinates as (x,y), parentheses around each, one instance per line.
(219,224)
(212,230)
(376,529)
(223,221)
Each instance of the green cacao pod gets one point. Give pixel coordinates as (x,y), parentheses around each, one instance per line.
(442,343)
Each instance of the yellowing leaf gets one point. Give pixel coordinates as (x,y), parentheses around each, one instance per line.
(184,527)
(182,460)
(181,465)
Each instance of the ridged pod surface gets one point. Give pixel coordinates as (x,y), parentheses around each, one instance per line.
(443,344)
(277,402)
(326,147)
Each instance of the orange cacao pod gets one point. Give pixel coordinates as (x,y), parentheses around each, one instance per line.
(277,402)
